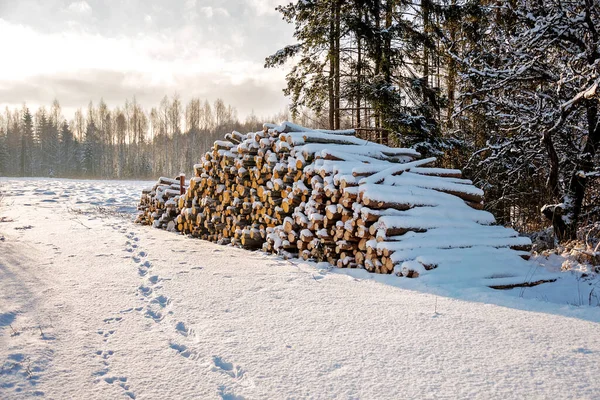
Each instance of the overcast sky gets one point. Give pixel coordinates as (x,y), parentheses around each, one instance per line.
(77,51)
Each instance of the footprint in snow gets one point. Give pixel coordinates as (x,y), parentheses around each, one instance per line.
(161,300)
(182,329)
(112,379)
(138,259)
(225,394)
(181,349)
(234,371)
(111,320)
(122,382)
(106,334)
(105,354)
(145,291)
(101,372)
(583,350)
(154,315)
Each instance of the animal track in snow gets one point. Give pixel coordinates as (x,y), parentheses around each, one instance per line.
(182,329)
(111,320)
(181,349)
(122,382)
(145,291)
(234,371)
(106,334)
(154,315)
(161,300)
(112,379)
(225,394)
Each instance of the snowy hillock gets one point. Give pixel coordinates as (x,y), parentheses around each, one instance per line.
(330,196)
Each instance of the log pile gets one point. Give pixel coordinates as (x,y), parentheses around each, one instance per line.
(159,204)
(329,196)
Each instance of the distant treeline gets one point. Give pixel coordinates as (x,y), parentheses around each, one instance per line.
(124,142)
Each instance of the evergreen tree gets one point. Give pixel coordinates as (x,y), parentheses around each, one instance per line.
(68,152)
(27,143)
(90,154)
(4,158)
(310,83)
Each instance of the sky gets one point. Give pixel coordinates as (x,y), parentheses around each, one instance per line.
(82,51)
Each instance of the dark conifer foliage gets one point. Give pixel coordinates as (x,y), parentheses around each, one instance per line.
(507,88)
(125,142)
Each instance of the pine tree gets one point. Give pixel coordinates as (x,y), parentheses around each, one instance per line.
(4,158)
(90,158)
(26,159)
(68,152)
(311,82)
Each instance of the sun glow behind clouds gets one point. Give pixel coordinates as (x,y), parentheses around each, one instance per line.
(158,56)
(208,57)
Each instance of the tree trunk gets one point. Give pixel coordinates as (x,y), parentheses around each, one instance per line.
(330,86)
(585,164)
(451,80)
(358,75)
(566,228)
(337,63)
(386,62)
(23,155)
(425,80)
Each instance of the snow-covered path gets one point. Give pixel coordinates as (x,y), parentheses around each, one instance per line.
(95,307)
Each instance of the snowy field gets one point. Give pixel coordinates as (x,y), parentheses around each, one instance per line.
(95,307)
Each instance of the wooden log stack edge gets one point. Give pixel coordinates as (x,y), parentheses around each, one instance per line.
(327,196)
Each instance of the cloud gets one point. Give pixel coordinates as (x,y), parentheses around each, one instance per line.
(209,12)
(80,7)
(75,91)
(142,47)
(77,66)
(265,7)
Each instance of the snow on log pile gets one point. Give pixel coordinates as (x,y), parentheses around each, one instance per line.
(330,196)
(159,204)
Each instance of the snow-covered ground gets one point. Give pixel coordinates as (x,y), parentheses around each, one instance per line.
(95,307)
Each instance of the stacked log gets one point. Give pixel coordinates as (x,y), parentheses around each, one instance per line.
(329,196)
(159,204)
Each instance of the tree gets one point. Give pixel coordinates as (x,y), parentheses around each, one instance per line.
(4,159)
(535,76)
(68,152)
(115,143)
(90,155)
(27,144)
(366,55)
(310,83)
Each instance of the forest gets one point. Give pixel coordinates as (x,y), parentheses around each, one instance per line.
(506,90)
(123,143)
